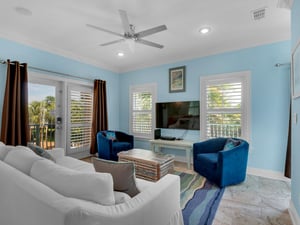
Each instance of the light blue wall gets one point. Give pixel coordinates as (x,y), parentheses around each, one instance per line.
(296,109)
(270,90)
(42,59)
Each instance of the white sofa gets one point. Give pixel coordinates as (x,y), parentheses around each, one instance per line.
(30,196)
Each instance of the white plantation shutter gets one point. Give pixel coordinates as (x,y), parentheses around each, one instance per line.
(225,106)
(80,106)
(142,114)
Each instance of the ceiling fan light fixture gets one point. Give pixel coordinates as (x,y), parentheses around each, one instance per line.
(131,44)
(120,54)
(205,30)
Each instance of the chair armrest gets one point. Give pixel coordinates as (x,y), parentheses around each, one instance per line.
(209,146)
(233,162)
(239,152)
(159,204)
(104,146)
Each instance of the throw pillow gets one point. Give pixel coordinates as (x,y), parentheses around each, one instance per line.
(40,151)
(123,174)
(111,135)
(95,187)
(21,159)
(4,150)
(231,143)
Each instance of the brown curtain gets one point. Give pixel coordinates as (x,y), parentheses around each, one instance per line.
(287,171)
(14,126)
(99,121)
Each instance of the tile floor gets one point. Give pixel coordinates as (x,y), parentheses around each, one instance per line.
(257,201)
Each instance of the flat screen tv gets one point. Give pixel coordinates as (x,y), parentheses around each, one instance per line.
(178,115)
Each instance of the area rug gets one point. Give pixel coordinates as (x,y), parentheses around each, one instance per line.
(199,199)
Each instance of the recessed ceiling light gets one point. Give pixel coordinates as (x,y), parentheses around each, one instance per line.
(205,30)
(23,11)
(120,54)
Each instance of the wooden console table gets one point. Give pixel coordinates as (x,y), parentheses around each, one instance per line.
(157,144)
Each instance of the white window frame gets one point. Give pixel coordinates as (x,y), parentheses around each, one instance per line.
(244,78)
(152,88)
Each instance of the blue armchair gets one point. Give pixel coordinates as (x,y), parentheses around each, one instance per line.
(223,166)
(110,143)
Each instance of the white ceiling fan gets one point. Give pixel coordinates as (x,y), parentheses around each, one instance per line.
(129,32)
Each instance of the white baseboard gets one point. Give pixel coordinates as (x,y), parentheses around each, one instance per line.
(294,215)
(267,173)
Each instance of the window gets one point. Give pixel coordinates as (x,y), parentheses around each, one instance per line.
(142,110)
(80,106)
(225,105)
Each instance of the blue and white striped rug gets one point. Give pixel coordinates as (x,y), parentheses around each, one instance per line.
(199,199)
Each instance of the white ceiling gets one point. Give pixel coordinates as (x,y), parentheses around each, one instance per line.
(59,26)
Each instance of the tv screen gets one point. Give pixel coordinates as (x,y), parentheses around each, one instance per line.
(178,115)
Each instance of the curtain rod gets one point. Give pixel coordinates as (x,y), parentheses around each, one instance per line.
(282,64)
(50,71)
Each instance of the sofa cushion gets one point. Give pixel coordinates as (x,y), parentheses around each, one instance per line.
(75,164)
(4,149)
(57,153)
(123,174)
(231,143)
(40,151)
(21,159)
(1,143)
(95,187)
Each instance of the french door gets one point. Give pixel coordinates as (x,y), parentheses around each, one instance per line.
(45,112)
(80,106)
(60,113)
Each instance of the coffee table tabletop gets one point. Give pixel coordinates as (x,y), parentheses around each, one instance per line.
(148,165)
(146,155)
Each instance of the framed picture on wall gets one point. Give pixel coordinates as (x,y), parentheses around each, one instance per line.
(177,79)
(296,71)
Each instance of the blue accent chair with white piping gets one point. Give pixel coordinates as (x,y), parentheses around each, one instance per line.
(110,143)
(221,160)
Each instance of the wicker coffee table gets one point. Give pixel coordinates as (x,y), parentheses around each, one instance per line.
(148,165)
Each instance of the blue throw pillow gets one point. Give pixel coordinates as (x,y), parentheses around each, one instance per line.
(231,143)
(40,151)
(111,135)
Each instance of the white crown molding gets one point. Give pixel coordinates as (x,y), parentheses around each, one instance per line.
(294,215)
(56,51)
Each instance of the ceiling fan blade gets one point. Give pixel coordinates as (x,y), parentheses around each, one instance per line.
(102,29)
(151,31)
(112,42)
(149,43)
(125,21)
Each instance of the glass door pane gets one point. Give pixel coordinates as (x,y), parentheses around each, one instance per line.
(42,114)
